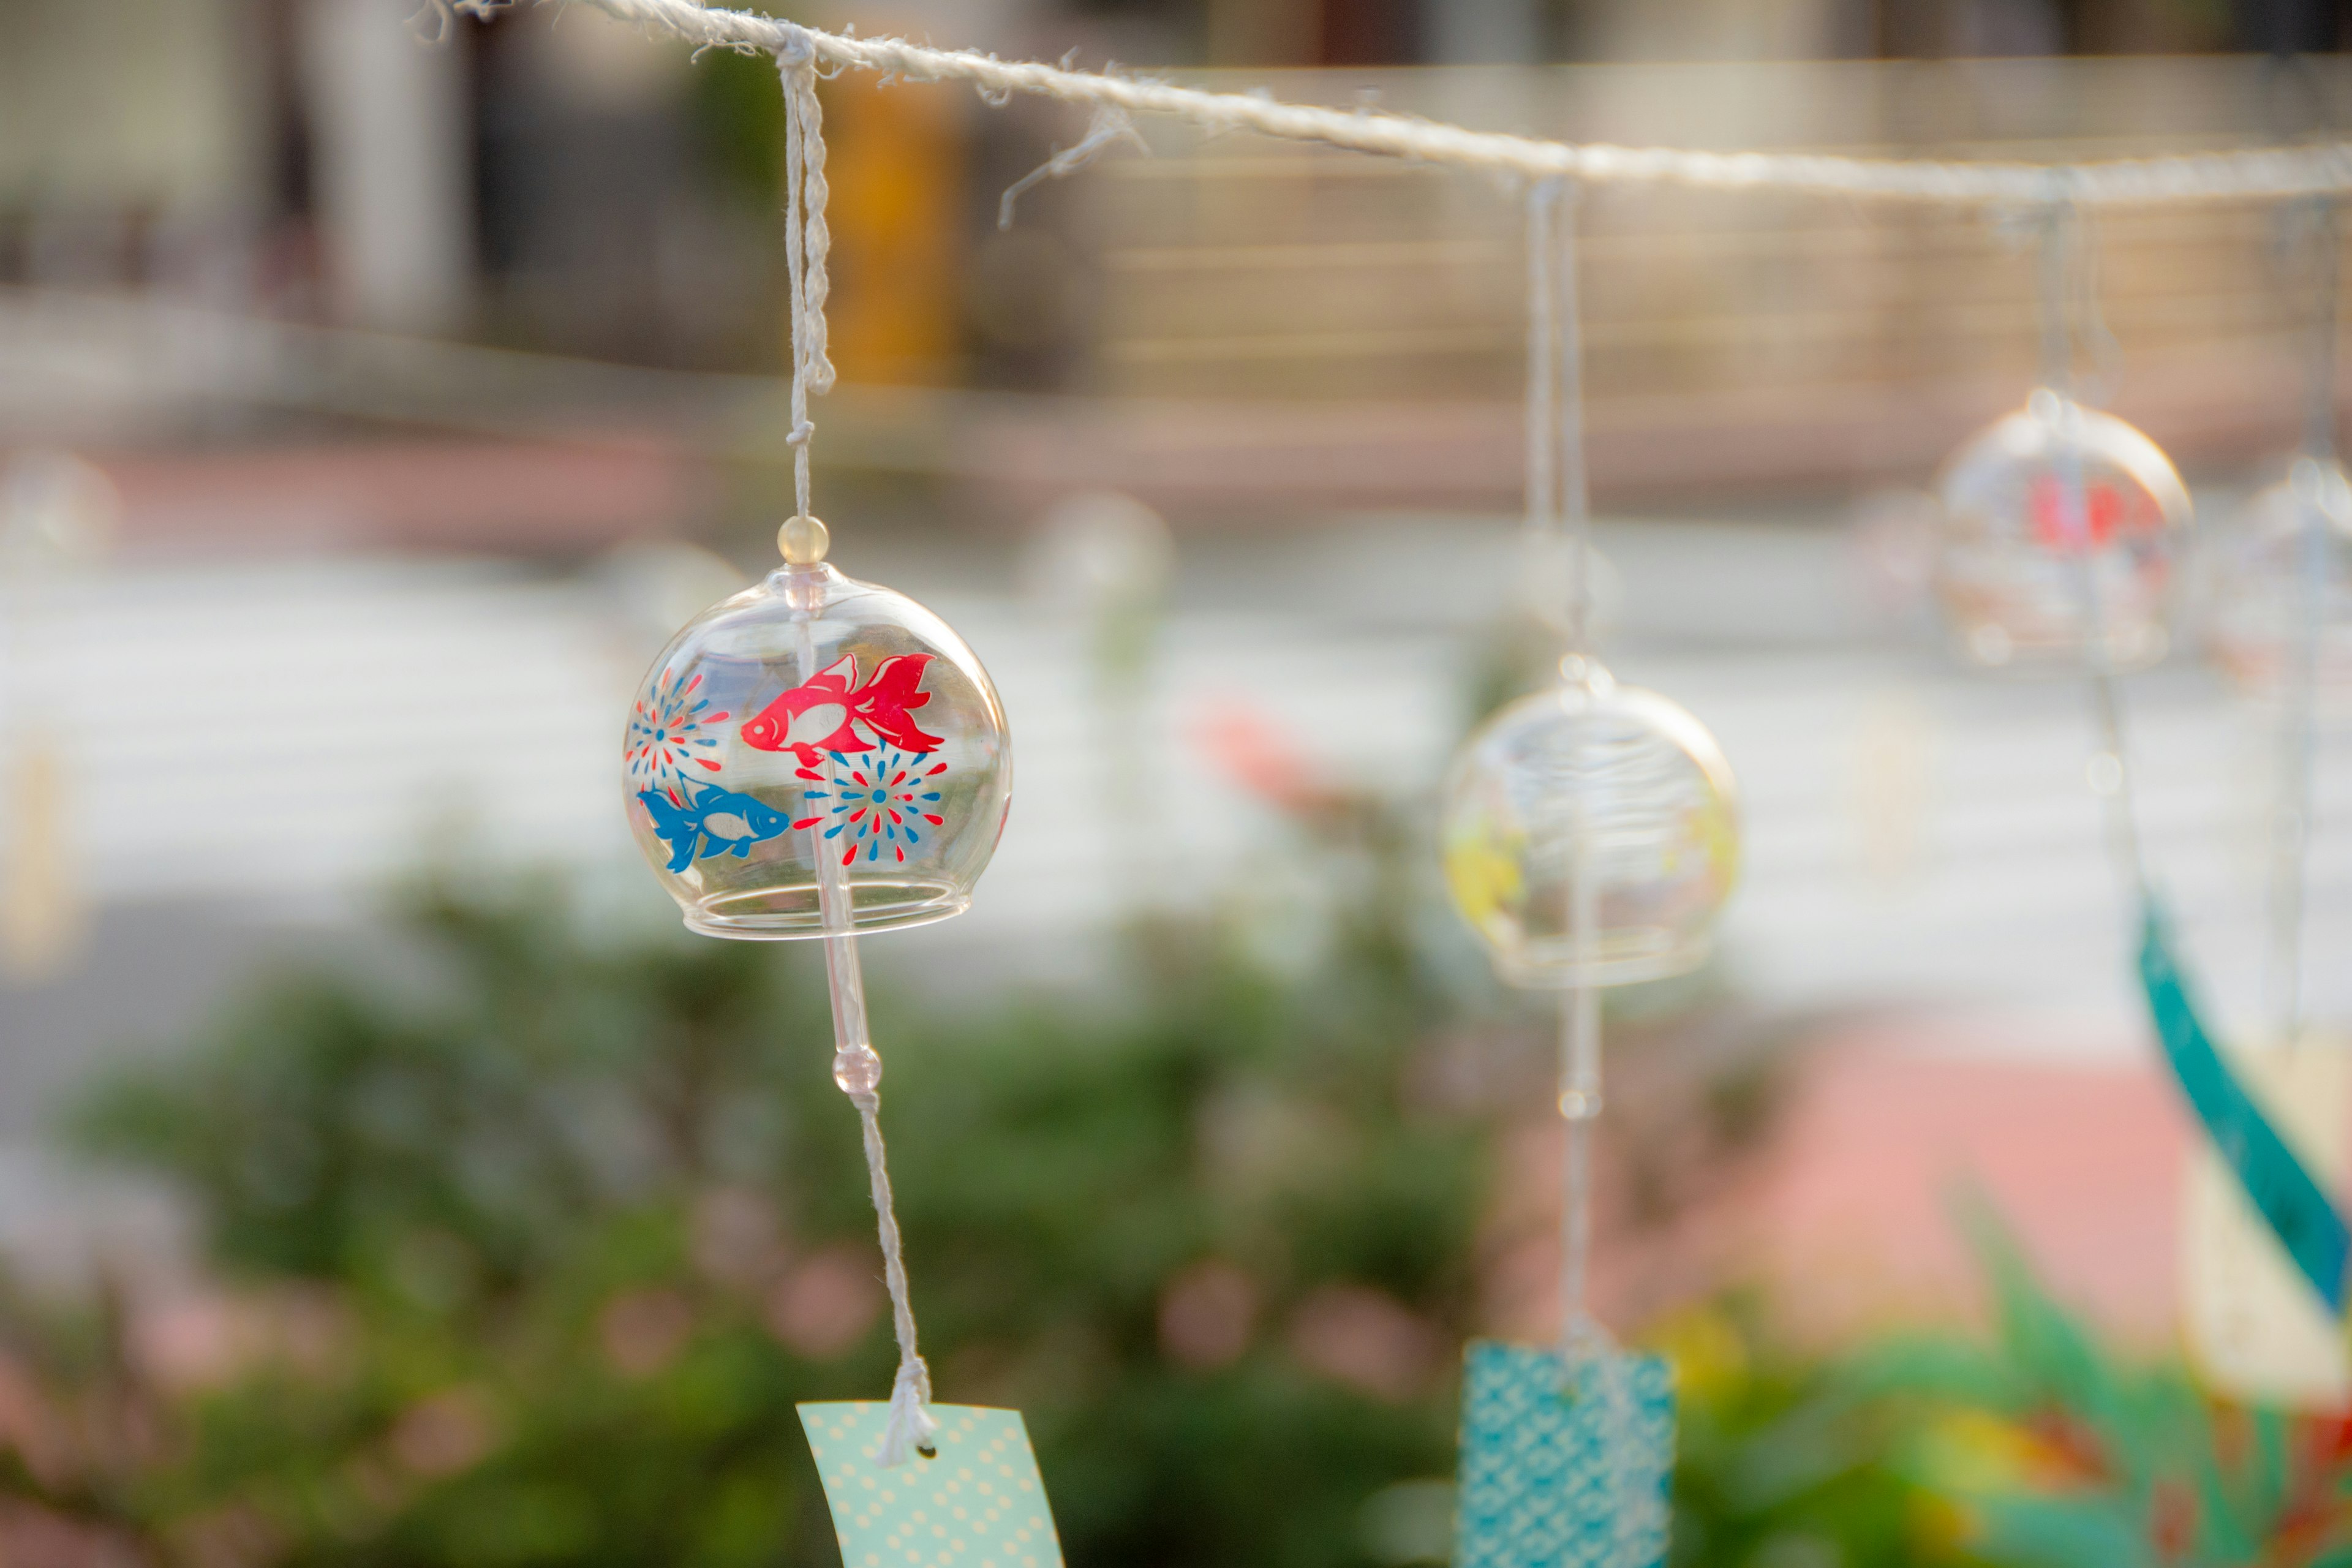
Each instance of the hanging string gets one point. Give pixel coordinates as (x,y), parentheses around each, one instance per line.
(1542,476)
(807,242)
(856,1067)
(1558,535)
(2063,284)
(1575,493)
(2314,226)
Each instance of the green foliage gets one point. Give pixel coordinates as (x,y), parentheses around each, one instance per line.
(2063,1455)
(1784,1463)
(537,1231)
(505,1187)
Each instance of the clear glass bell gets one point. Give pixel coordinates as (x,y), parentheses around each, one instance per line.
(814,716)
(1591,833)
(2017,560)
(2260,576)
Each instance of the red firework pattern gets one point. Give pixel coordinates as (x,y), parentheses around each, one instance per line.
(666,733)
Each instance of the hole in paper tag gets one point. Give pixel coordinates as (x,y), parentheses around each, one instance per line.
(1552,1477)
(978,1503)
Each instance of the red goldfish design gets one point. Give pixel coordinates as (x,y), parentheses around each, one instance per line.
(2107,512)
(831,711)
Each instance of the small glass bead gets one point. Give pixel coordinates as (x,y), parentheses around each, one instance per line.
(804,540)
(857,1070)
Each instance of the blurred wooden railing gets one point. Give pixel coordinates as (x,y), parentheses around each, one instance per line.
(1731,338)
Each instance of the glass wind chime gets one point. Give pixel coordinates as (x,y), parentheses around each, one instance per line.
(817,757)
(2060,536)
(1590,834)
(2062,525)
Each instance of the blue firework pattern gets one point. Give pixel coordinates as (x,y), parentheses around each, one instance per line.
(884,799)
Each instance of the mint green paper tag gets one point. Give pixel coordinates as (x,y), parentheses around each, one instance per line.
(1553,1478)
(980,1504)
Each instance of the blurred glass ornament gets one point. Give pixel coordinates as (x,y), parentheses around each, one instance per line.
(2020,564)
(814,729)
(55,508)
(42,919)
(59,512)
(1107,559)
(1102,562)
(1893,536)
(2260,575)
(1591,833)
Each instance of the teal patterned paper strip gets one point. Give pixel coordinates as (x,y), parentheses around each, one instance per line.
(980,1504)
(1550,1479)
(2289,1199)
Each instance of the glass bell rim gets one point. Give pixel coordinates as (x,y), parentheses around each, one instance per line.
(1569,973)
(805,923)
(1576,704)
(2044,661)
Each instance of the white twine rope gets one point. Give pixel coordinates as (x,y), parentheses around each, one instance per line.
(807,241)
(912,1425)
(2268,172)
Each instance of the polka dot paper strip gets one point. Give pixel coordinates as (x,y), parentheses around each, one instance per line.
(1550,1480)
(979,1504)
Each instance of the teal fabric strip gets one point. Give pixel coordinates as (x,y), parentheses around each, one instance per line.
(2295,1206)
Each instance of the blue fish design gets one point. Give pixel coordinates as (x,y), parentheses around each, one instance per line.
(716,822)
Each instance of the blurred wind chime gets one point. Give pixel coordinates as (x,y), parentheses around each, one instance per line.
(57,512)
(2279,620)
(1590,834)
(817,757)
(2063,527)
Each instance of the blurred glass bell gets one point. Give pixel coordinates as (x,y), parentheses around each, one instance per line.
(2018,554)
(812,725)
(1589,833)
(2260,575)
